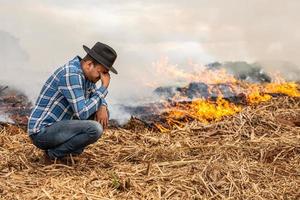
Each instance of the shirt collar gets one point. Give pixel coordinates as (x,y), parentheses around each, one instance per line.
(76,63)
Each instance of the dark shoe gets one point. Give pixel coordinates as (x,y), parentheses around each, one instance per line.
(47,159)
(70,159)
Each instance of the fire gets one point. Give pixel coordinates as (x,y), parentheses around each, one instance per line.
(260,93)
(205,111)
(202,110)
(212,110)
(287,88)
(256,95)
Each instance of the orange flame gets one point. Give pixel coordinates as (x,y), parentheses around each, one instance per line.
(207,111)
(287,88)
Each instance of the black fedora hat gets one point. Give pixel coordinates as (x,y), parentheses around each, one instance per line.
(103,54)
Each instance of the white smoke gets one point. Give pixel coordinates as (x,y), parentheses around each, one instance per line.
(5,118)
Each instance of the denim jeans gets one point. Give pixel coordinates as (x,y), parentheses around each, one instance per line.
(67,137)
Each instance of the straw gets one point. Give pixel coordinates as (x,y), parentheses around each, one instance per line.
(252,155)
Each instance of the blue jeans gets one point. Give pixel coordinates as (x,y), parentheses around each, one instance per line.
(67,137)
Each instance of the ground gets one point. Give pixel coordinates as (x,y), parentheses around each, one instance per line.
(252,155)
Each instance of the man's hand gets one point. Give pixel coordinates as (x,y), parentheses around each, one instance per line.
(101,116)
(105,79)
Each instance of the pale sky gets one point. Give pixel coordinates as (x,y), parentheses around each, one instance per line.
(39,36)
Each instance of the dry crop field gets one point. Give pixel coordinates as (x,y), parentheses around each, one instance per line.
(254,154)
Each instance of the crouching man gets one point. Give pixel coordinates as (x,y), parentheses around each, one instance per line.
(71,112)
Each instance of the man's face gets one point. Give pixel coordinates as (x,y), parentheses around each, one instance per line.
(94,72)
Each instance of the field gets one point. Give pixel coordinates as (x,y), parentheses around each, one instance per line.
(254,154)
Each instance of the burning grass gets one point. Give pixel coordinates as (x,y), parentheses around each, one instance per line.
(254,154)
(207,110)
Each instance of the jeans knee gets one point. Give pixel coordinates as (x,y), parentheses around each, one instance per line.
(95,130)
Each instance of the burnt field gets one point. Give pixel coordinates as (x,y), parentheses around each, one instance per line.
(222,140)
(253,154)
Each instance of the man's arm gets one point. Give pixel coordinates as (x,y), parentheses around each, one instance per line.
(70,85)
(103,101)
(102,115)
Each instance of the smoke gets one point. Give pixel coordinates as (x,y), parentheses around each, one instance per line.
(37,37)
(288,70)
(13,59)
(5,118)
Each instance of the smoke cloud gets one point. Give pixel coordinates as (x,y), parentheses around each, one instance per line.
(37,37)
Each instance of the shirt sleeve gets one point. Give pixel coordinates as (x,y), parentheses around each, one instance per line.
(71,86)
(103,101)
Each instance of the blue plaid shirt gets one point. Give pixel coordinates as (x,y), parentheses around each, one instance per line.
(66,95)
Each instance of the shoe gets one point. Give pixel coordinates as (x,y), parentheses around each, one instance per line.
(47,159)
(70,159)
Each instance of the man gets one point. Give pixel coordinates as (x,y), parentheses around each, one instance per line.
(71,112)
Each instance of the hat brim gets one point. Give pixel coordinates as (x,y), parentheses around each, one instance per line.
(94,55)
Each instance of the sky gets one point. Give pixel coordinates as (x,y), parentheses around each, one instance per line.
(37,37)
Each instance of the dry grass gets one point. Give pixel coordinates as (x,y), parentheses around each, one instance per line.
(252,155)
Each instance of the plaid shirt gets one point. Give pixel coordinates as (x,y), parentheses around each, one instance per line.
(66,95)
